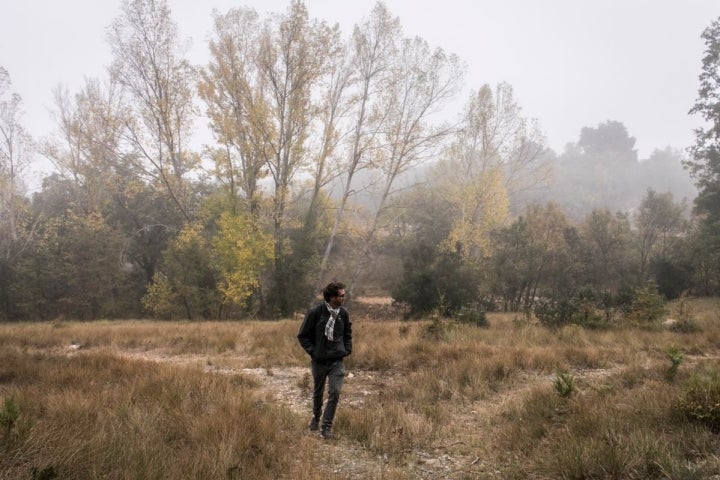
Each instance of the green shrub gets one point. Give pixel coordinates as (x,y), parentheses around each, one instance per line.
(564,383)
(595,307)
(673,279)
(589,308)
(555,313)
(9,414)
(436,330)
(473,315)
(676,358)
(647,306)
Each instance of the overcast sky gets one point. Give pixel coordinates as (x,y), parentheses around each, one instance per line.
(572,63)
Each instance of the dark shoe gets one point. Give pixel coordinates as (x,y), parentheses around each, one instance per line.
(313,425)
(327,434)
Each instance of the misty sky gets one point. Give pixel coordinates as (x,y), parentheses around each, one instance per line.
(572,63)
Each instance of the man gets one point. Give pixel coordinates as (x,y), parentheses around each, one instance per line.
(326,335)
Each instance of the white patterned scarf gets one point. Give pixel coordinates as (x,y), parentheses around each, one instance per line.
(330,327)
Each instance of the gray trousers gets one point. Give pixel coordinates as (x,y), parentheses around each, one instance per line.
(334,372)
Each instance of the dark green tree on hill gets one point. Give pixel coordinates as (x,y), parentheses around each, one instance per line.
(704,164)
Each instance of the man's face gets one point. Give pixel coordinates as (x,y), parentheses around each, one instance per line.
(338,301)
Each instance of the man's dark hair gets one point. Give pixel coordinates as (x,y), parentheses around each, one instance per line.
(332,290)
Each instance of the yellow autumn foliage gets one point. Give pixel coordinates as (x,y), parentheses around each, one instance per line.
(242,251)
(480,204)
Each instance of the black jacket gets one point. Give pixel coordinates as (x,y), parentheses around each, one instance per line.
(312,334)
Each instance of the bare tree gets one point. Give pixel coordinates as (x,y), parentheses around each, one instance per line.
(334,105)
(494,134)
(87,149)
(149,64)
(494,154)
(421,83)
(293,58)
(292,61)
(15,155)
(374,47)
(660,222)
(238,112)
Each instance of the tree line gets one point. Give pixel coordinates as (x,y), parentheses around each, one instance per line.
(331,157)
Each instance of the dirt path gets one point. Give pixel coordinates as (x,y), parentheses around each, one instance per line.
(290,387)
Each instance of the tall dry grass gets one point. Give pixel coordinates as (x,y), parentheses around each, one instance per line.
(97,416)
(428,399)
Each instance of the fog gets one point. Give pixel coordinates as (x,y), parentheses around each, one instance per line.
(572,64)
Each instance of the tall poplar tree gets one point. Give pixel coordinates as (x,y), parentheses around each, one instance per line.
(373,48)
(158,83)
(495,152)
(291,64)
(421,82)
(15,155)
(235,105)
(17,226)
(86,149)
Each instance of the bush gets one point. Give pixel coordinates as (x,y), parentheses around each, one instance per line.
(676,358)
(672,279)
(596,306)
(685,326)
(436,330)
(436,281)
(589,308)
(473,315)
(686,321)
(564,383)
(700,400)
(556,313)
(647,306)
(9,414)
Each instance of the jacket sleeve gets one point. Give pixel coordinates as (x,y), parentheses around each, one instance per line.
(306,335)
(347,338)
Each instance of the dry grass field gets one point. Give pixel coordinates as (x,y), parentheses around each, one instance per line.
(423,399)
